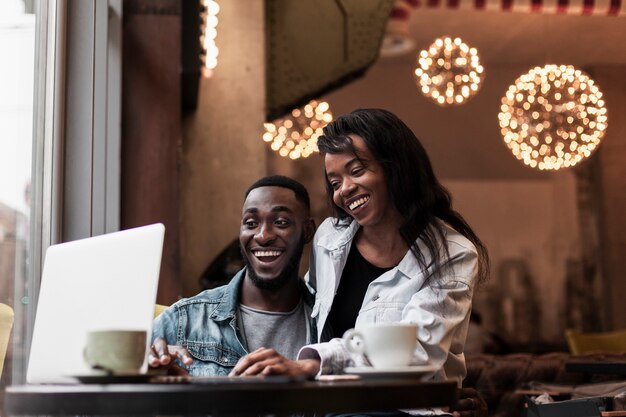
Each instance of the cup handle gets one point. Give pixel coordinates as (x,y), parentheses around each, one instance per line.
(353,341)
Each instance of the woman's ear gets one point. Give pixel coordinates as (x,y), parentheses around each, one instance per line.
(309,229)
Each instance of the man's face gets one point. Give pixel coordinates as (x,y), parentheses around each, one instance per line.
(274,229)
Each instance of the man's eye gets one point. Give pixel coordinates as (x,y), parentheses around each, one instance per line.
(282,222)
(334,185)
(250,224)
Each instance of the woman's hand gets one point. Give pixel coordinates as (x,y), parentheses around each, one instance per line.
(269,362)
(162,355)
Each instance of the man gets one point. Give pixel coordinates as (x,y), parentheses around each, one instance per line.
(266,305)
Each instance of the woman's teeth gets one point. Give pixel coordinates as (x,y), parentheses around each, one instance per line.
(358,203)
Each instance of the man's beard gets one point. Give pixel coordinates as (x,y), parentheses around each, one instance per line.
(290,271)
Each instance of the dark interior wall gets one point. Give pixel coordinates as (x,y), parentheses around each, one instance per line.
(611,188)
(151,128)
(222,152)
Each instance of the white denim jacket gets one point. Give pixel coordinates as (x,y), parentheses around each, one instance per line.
(440,307)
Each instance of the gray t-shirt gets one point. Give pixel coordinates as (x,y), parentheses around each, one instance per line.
(284,332)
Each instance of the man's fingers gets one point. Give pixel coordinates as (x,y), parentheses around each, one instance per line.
(257,367)
(153,361)
(162,354)
(183,355)
(250,360)
(276,369)
(160,347)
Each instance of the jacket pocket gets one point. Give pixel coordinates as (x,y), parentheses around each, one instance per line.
(211,359)
(389,312)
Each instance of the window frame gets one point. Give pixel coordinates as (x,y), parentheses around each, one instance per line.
(75,178)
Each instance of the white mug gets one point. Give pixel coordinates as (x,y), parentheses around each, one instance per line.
(386,345)
(119,352)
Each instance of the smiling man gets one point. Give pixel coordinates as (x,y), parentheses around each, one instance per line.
(266,305)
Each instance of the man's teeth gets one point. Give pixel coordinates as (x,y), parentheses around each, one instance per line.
(358,202)
(264,253)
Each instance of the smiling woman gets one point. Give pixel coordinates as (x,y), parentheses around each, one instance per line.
(396,251)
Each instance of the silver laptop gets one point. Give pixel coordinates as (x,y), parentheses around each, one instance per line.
(104,282)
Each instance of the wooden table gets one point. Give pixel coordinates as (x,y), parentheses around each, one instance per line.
(259,397)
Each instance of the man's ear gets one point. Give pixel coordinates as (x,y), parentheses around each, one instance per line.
(309,229)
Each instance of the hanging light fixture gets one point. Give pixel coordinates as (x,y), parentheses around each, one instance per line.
(449,71)
(295,135)
(208,34)
(553,117)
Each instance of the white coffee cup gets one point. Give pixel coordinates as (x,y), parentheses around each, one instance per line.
(120,352)
(386,345)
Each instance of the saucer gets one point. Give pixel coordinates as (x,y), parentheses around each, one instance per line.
(411,371)
(113,379)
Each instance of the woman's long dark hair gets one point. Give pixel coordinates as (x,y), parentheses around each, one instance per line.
(411,183)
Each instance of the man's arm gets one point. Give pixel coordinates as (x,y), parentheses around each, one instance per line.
(162,354)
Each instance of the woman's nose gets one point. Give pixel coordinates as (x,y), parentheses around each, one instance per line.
(347,188)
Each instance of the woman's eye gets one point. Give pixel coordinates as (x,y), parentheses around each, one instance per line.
(357,171)
(334,185)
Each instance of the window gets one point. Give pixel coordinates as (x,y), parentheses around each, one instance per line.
(56,130)
(17,49)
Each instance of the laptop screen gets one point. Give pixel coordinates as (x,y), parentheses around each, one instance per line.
(103,282)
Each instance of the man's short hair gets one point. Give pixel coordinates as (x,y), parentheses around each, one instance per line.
(298,189)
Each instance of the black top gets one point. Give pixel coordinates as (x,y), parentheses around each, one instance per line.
(356,277)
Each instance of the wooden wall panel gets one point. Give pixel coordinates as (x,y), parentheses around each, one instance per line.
(151,128)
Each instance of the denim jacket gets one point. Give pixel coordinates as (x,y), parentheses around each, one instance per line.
(206,324)
(440,308)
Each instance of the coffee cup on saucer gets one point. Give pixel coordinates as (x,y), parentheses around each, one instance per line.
(386,345)
(116,352)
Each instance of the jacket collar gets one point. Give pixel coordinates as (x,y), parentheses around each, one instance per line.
(339,235)
(227,307)
(229,299)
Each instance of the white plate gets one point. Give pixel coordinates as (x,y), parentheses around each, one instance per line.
(395,372)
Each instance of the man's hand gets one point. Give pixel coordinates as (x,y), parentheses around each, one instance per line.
(268,362)
(163,355)
(471,404)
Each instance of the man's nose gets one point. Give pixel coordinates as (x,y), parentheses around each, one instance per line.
(265,233)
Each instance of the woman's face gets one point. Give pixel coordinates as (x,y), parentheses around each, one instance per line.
(359,186)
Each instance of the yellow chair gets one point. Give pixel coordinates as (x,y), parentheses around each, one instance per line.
(610,342)
(158,309)
(6,324)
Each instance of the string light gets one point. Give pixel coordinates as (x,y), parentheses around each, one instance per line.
(553,117)
(449,71)
(208,30)
(295,136)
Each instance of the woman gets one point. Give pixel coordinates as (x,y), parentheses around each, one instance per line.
(395,251)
